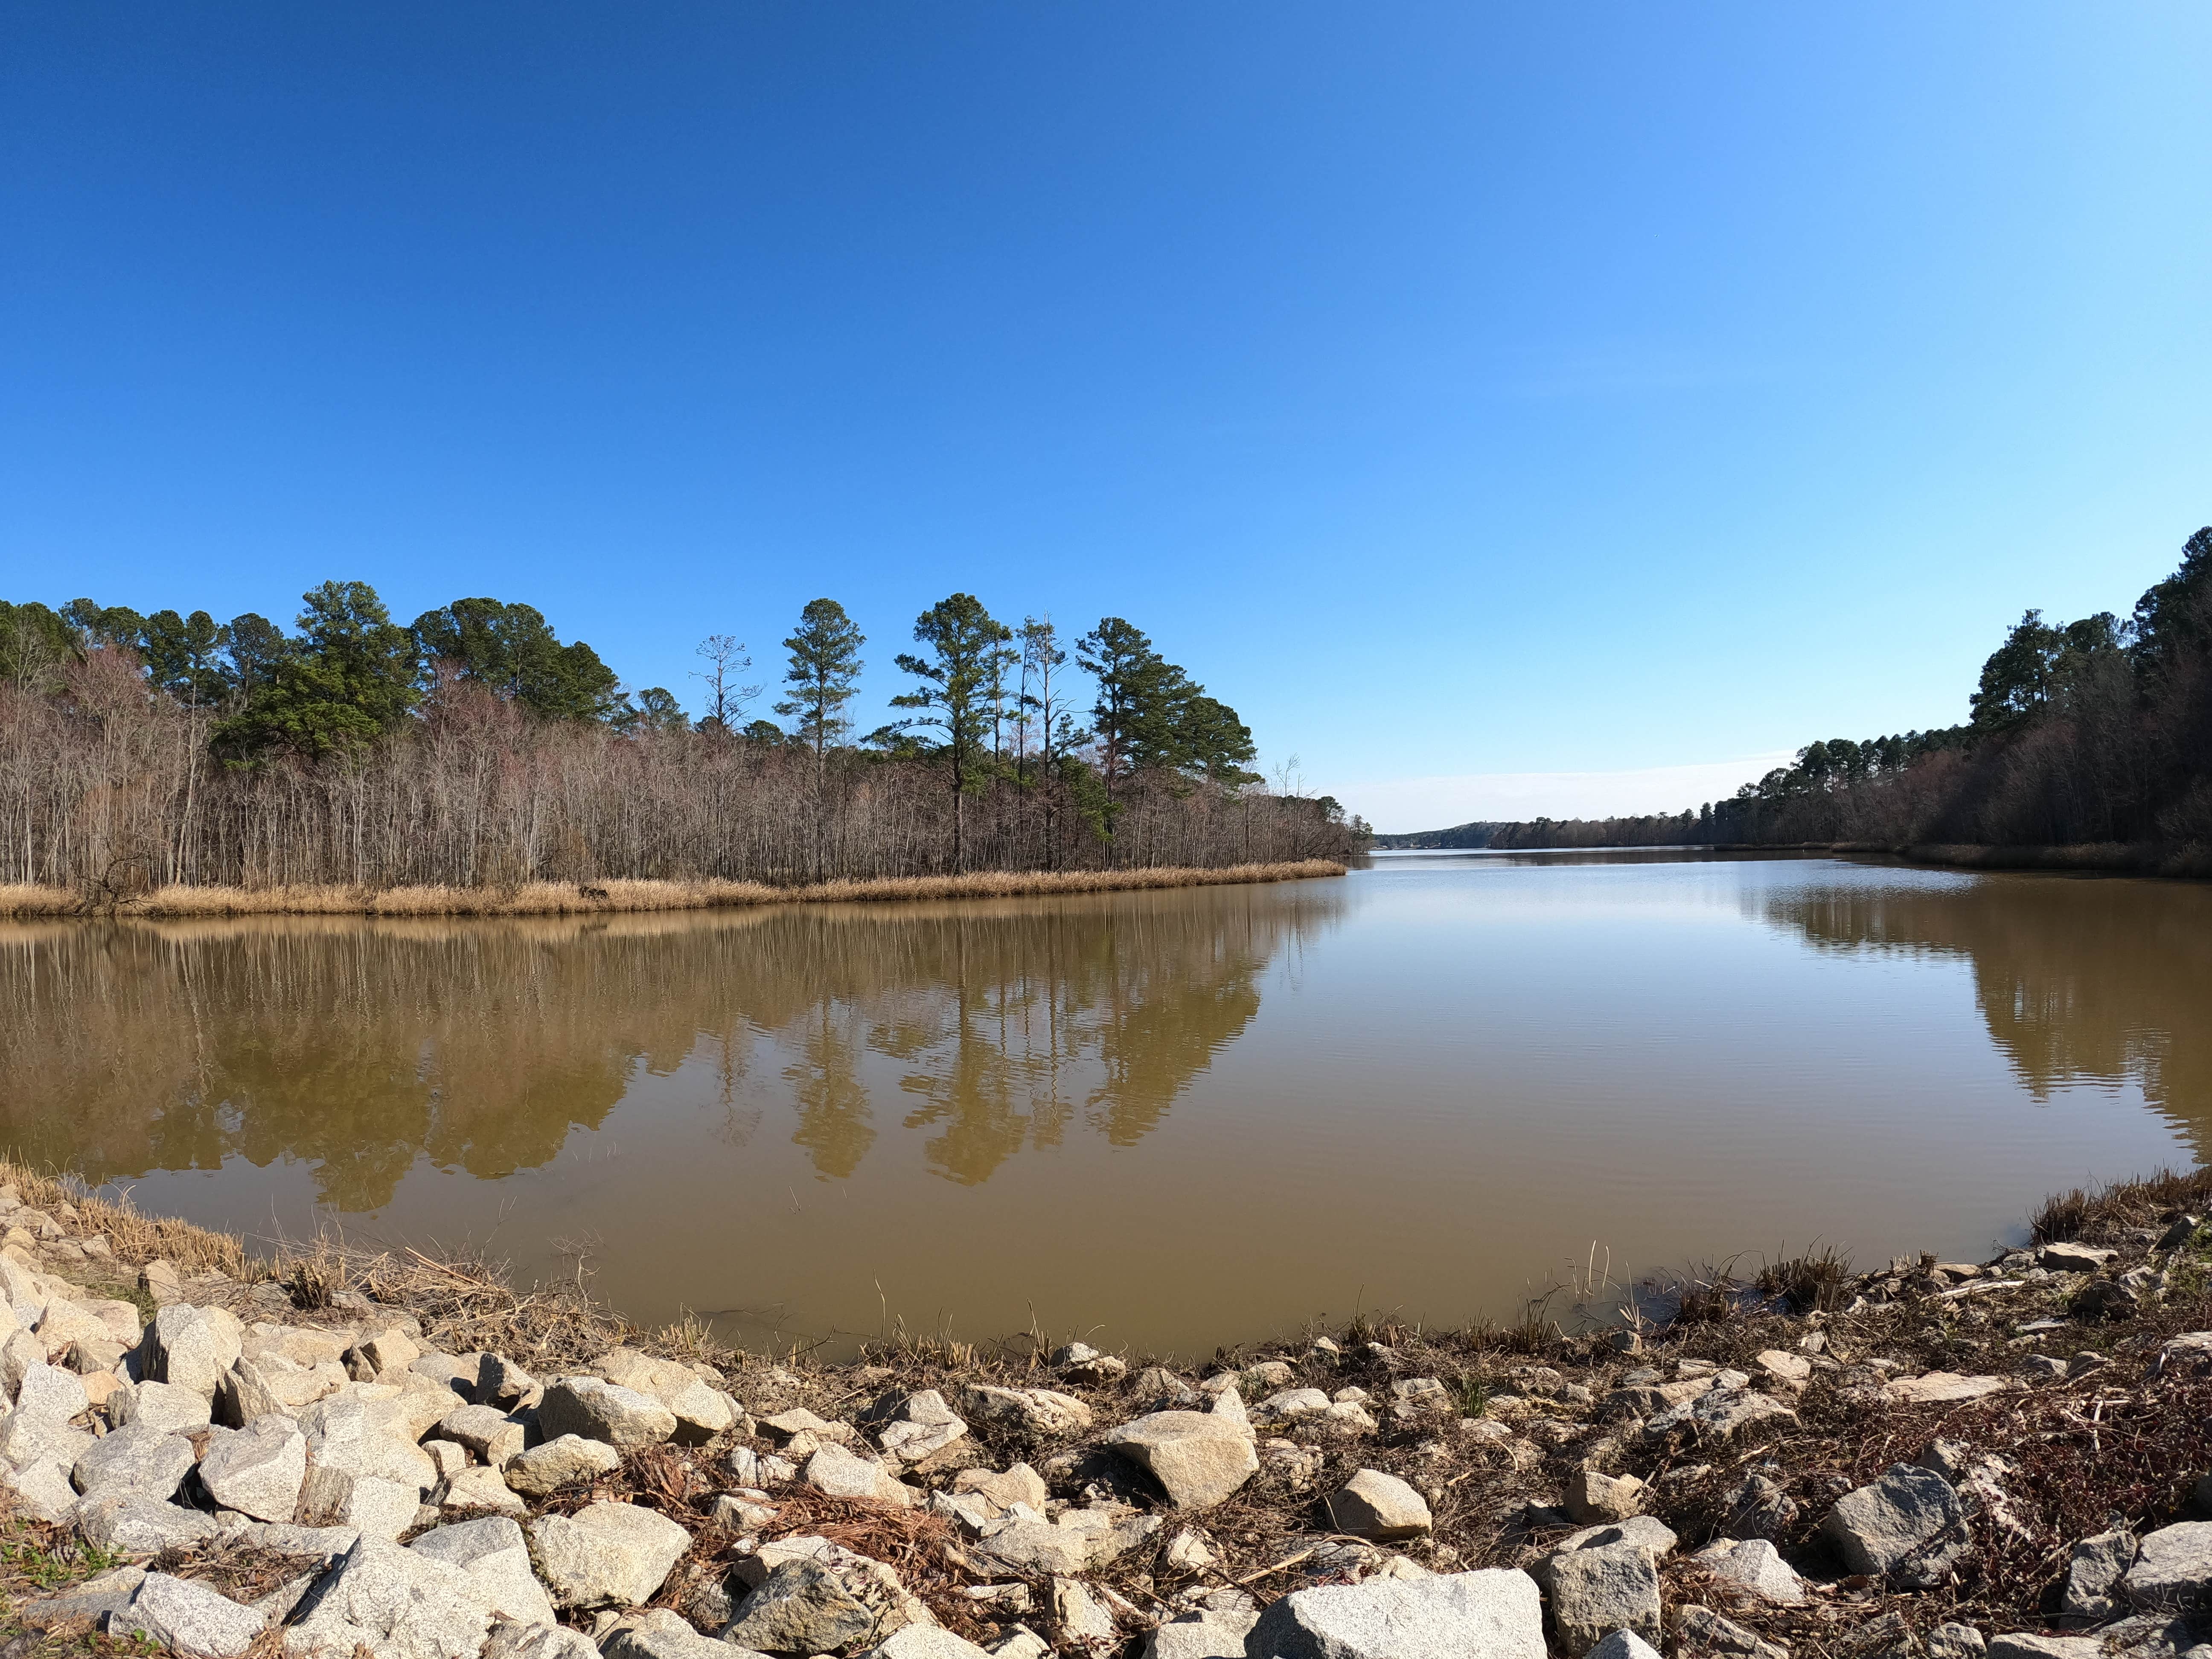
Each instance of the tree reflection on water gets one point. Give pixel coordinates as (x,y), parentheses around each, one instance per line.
(358,1047)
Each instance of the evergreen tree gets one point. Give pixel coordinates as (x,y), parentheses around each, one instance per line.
(348,680)
(955,693)
(823,673)
(513,650)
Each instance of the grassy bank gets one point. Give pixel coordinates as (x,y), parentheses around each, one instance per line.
(547,898)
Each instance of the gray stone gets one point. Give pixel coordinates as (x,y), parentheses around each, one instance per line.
(1623,1645)
(802,1607)
(189,1617)
(501,1382)
(597,1409)
(1073,1544)
(2068,1257)
(1495,1613)
(345,1434)
(259,1470)
(659,1634)
(925,1642)
(1205,1635)
(495,1557)
(1908,1526)
(187,1348)
(2025,1645)
(606,1553)
(838,1472)
(1198,1457)
(1595,1496)
(512,1641)
(92,1601)
(571,1457)
(479,1487)
(1597,1591)
(1648,1530)
(159,1405)
(332,1498)
(48,1391)
(2172,1571)
(490,1433)
(1373,1505)
(1757,1507)
(1755,1567)
(396,1603)
(1718,1415)
(1701,1631)
(127,1524)
(1038,1413)
(2094,1572)
(330,1542)
(143,1461)
(1953,1641)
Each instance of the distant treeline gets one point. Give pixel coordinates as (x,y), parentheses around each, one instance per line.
(474,747)
(2098,731)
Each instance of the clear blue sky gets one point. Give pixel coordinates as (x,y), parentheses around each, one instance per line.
(1455,389)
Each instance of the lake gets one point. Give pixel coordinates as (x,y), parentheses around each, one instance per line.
(1164,1120)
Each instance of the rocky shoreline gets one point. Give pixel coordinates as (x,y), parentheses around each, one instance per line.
(314,1454)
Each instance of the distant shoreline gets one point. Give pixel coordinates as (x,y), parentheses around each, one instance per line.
(550,898)
(2188,861)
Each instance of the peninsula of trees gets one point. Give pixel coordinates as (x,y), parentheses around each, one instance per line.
(474,748)
(2095,733)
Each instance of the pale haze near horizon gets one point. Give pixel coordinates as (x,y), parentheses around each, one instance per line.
(1502,408)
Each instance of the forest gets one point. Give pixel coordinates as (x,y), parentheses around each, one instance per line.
(474,748)
(2091,733)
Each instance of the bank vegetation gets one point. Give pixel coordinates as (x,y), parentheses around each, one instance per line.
(173,764)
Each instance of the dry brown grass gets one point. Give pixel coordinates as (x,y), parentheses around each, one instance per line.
(2096,1217)
(135,1238)
(548,898)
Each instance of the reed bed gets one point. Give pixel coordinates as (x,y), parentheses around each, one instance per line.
(553,898)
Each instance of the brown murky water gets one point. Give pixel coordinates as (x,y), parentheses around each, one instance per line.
(1166,1120)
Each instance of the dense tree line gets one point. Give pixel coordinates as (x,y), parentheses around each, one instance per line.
(2093,731)
(474,746)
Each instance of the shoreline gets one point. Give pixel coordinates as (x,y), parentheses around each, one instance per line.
(616,895)
(1927,1460)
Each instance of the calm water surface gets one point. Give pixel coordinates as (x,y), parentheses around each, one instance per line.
(1168,1119)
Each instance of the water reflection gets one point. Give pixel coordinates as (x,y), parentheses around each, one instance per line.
(359,1047)
(2078,979)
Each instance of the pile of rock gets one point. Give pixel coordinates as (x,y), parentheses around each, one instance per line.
(430,1504)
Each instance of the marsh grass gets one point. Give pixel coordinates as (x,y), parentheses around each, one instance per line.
(613,895)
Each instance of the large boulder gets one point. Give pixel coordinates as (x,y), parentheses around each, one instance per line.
(396,1603)
(259,1470)
(190,1347)
(1908,1526)
(2094,1573)
(128,1524)
(702,1410)
(1495,1613)
(1596,1592)
(1038,1414)
(2173,1570)
(657,1633)
(1595,1497)
(558,1462)
(145,1462)
(490,1433)
(1068,1547)
(1198,1457)
(1205,1635)
(162,1406)
(329,1497)
(495,1557)
(188,1617)
(1717,1416)
(802,1607)
(510,1640)
(1753,1567)
(597,1409)
(838,1472)
(606,1553)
